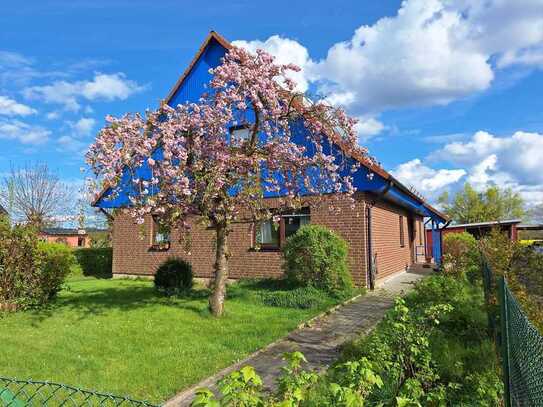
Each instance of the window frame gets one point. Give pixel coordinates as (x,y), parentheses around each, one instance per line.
(304,212)
(402,234)
(162,246)
(232,129)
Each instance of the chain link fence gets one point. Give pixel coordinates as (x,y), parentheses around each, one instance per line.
(29,393)
(521,344)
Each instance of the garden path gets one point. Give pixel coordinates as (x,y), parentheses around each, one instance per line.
(321,338)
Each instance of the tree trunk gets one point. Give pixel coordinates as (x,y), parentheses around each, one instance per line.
(216,300)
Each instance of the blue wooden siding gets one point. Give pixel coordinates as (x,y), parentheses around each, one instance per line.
(191,90)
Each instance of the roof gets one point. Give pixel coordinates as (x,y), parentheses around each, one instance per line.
(63,231)
(213,36)
(483,224)
(530,226)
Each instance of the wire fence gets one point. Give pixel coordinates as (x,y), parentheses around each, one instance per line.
(30,393)
(521,344)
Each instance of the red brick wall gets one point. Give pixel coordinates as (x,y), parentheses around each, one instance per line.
(385,232)
(132,255)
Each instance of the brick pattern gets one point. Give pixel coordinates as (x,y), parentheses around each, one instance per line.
(391,256)
(132,254)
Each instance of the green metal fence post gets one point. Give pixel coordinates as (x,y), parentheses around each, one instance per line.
(505,342)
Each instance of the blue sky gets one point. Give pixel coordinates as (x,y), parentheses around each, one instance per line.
(446,91)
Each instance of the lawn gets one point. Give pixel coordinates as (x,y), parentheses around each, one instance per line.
(120,336)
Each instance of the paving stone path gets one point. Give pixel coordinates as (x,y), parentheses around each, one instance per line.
(320,341)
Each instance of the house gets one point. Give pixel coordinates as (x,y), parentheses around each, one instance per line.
(384,229)
(478,230)
(72,237)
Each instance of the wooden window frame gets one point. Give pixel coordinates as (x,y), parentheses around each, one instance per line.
(282,236)
(402,235)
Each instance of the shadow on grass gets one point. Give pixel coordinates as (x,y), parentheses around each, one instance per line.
(88,300)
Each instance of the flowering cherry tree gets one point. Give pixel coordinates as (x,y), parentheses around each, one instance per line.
(202,172)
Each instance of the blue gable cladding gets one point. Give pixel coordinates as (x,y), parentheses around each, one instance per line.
(191,89)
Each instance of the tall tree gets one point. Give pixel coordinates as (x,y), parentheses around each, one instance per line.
(34,194)
(535,214)
(206,168)
(469,205)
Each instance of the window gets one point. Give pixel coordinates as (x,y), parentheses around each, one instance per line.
(270,235)
(160,235)
(420,233)
(239,135)
(80,241)
(402,237)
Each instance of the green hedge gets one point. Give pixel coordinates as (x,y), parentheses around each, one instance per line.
(96,262)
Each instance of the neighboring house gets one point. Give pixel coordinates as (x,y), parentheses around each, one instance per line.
(71,237)
(478,230)
(385,229)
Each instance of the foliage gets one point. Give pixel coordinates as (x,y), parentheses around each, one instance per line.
(316,256)
(31,272)
(522,267)
(469,205)
(174,276)
(201,162)
(421,354)
(95,261)
(57,262)
(461,254)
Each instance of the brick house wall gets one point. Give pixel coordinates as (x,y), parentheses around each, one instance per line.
(392,257)
(132,254)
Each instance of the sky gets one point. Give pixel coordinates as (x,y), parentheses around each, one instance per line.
(446,92)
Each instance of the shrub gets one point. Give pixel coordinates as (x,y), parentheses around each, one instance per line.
(461,255)
(57,262)
(316,256)
(173,276)
(31,272)
(95,261)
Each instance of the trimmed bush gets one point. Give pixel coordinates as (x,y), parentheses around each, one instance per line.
(57,262)
(316,256)
(31,272)
(95,261)
(173,276)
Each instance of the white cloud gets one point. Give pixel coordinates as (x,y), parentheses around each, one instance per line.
(10,107)
(368,127)
(23,132)
(428,181)
(72,144)
(431,52)
(518,156)
(285,51)
(84,126)
(107,87)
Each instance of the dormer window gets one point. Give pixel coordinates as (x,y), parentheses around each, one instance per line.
(239,134)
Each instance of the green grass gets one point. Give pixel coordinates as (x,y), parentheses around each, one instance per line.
(120,336)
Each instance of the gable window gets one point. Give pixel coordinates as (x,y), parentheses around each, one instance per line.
(402,237)
(160,236)
(239,135)
(271,235)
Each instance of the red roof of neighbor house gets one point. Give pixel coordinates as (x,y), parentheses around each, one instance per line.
(362,159)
